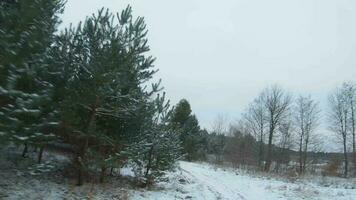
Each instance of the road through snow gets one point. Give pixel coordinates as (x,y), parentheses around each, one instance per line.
(224,184)
(207,182)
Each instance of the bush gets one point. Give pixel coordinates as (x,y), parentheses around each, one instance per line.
(332,168)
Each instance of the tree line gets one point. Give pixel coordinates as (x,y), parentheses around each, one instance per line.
(277,125)
(88,86)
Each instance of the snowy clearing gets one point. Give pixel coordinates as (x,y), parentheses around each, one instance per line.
(199,181)
(203,181)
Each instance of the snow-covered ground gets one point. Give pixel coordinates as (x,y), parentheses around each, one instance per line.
(24,179)
(203,181)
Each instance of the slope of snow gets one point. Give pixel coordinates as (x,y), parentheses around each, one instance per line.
(202,181)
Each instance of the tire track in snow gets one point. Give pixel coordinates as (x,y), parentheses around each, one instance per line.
(200,186)
(213,183)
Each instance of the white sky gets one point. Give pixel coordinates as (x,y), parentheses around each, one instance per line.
(220,54)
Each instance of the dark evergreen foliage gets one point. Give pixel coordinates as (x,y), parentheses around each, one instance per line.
(158,145)
(27,31)
(190,134)
(86,86)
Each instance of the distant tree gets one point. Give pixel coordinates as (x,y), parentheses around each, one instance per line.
(219,131)
(203,144)
(306,121)
(187,125)
(192,140)
(350,91)
(255,119)
(285,141)
(339,115)
(277,103)
(182,112)
(241,146)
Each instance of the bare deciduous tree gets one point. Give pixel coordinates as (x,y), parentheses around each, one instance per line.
(219,127)
(256,123)
(277,103)
(339,115)
(306,120)
(350,90)
(285,141)
(241,145)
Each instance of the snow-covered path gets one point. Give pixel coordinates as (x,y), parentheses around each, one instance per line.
(225,184)
(216,184)
(205,182)
(191,181)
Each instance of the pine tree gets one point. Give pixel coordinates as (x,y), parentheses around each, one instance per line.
(158,146)
(187,125)
(182,112)
(27,29)
(100,92)
(192,139)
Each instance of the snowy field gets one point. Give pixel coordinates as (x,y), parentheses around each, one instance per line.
(203,181)
(19,180)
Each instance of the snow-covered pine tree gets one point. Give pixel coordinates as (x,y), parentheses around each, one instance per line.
(100,93)
(158,146)
(27,29)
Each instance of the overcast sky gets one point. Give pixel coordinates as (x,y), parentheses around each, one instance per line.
(220,54)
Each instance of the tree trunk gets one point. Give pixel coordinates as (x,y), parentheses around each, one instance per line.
(25,150)
(353,139)
(353,127)
(305,154)
(260,154)
(277,166)
(301,155)
(102,174)
(111,171)
(269,150)
(40,153)
(148,167)
(353,147)
(345,158)
(80,175)
(80,160)
(83,150)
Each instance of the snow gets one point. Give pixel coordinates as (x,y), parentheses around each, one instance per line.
(203,181)
(23,138)
(53,123)
(25,179)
